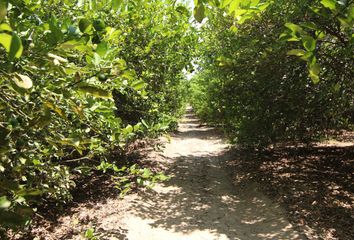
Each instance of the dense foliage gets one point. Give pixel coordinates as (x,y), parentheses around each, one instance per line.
(278,73)
(79,80)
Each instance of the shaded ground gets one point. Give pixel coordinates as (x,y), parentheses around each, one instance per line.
(217,193)
(198,202)
(315,184)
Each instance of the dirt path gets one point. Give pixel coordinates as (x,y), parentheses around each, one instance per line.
(200,201)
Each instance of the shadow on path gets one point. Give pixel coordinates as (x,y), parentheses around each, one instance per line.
(200,201)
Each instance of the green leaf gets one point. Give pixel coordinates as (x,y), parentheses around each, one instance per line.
(263,6)
(99,24)
(85,25)
(283,35)
(4,202)
(346,22)
(163,177)
(309,43)
(310,25)
(294,28)
(331,4)
(129,75)
(351,12)
(315,78)
(12,44)
(320,34)
(234,6)
(146,173)
(199,12)
(70,141)
(89,233)
(144,123)
(56,33)
(336,87)
(116,4)
(182,10)
(22,81)
(137,127)
(102,49)
(296,52)
(314,71)
(36,162)
(11,219)
(5,27)
(128,129)
(307,56)
(315,68)
(234,28)
(95,91)
(138,85)
(92,4)
(224,3)
(5,41)
(96,59)
(3,9)
(139,181)
(16,47)
(29,192)
(56,109)
(245,17)
(43,120)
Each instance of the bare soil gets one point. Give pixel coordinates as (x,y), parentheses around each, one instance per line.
(216,192)
(200,201)
(314,183)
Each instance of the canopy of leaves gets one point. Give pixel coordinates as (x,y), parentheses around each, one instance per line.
(284,74)
(82,79)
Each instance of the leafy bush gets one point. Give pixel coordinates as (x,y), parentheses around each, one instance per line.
(79,79)
(251,83)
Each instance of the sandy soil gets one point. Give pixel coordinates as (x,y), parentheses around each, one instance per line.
(199,202)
